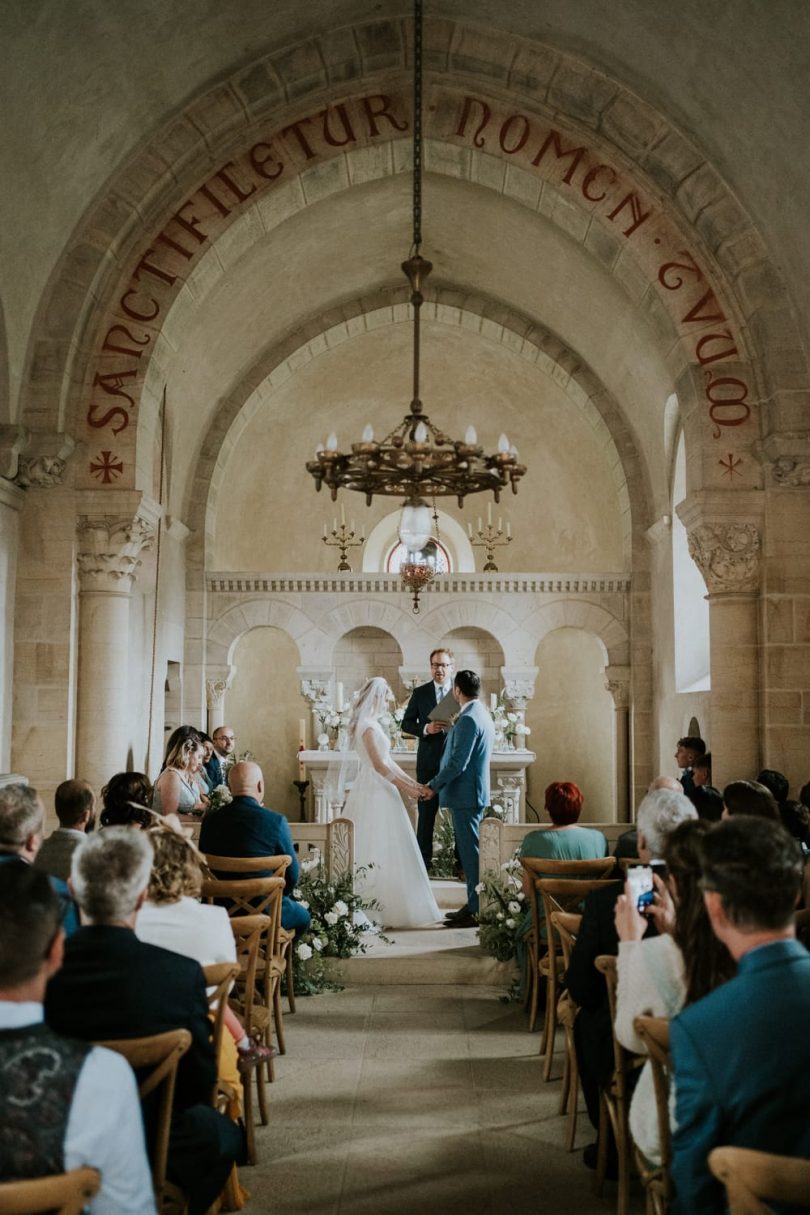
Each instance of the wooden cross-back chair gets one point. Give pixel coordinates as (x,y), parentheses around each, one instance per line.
(60,1194)
(566,925)
(537,867)
(277,865)
(614,1099)
(654,1033)
(750,1176)
(558,886)
(219,979)
(154,1060)
(252,934)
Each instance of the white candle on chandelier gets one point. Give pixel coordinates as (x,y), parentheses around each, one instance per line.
(503,444)
(368,433)
(420,434)
(470,436)
(469,530)
(342,514)
(489,513)
(351,527)
(324,531)
(331,442)
(509,531)
(480,528)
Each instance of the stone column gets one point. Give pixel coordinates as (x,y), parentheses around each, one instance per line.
(216,685)
(617,682)
(728,556)
(108,560)
(11,500)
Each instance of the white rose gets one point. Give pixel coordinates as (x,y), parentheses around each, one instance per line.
(510,923)
(497,809)
(340,907)
(500,915)
(514,907)
(317,943)
(521,895)
(480,888)
(331,918)
(296,893)
(304,952)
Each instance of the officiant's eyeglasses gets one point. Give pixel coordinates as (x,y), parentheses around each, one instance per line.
(441,664)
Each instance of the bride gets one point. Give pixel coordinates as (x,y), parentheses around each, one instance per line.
(383,835)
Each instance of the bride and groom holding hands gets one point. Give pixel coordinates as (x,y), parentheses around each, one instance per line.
(452,766)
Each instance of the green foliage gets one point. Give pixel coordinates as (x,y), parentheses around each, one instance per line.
(340,928)
(503,905)
(444,858)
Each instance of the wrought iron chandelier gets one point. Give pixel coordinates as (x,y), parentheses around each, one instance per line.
(417,459)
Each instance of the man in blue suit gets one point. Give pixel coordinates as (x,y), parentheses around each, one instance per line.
(462,783)
(741,1056)
(244,827)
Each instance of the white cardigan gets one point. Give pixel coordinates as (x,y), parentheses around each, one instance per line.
(651,982)
(195,930)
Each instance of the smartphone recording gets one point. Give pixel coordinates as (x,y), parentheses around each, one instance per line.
(640,886)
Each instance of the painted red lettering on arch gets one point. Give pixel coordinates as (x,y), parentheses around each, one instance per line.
(554,140)
(724,336)
(486,112)
(136,353)
(345,121)
(696,315)
(382,109)
(522,137)
(689,266)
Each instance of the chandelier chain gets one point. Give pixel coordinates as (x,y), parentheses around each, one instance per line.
(417,126)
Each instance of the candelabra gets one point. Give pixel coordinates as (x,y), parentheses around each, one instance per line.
(342,537)
(489,538)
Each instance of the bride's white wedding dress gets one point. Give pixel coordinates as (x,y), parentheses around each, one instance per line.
(385,839)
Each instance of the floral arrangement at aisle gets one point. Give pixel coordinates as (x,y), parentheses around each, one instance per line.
(502,910)
(444,839)
(340,927)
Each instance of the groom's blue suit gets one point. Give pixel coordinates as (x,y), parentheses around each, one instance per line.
(462,783)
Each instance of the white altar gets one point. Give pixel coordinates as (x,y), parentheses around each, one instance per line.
(507,773)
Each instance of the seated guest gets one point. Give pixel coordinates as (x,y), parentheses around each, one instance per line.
(114,986)
(173,918)
(75,805)
(708,802)
(659,814)
(244,827)
(627,844)
(65,1105)
(22,824)
(688,750)
(176,790)
(661,974)
(702,771)
(222,756)
(564,840)
(741,1056)
(203,778)
(777,783)
(796,820)
(125,799)
(751,798)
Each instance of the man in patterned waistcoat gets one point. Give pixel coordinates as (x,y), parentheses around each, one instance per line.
(66,1104)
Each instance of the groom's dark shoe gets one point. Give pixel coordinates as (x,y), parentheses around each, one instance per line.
(465,920)
(459,913)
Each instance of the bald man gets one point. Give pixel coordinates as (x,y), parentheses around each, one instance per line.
(244,827)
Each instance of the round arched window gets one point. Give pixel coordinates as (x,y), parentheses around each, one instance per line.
(433,553)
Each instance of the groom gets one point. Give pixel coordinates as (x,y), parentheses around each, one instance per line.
(462,783)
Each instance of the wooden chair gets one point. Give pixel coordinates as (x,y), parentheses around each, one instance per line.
(61,1194)
(614,1102)
(251,934)
(219,979)
(536,867)
(750,1176)
(654,1033)
(278,866)
(258,896)
(154,1060)
(566,926)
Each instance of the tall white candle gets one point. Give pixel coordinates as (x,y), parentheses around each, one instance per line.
(339,696)
(342,514)
(489,513)
(509,531)
(493,701)
(302,733)
(469,530)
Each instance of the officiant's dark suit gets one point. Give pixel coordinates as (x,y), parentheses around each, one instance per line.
(428,760)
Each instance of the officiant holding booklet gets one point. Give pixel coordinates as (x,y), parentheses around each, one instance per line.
(428,717)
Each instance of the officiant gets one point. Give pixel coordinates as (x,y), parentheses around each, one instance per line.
(432,735)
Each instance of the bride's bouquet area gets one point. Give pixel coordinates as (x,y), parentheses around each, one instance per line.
(340,927)
(503,905)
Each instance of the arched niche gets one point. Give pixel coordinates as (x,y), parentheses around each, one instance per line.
(384,535)
(475,649)
(572,722)
(366,651)
(264,708)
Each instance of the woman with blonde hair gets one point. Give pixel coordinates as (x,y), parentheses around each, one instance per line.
(176,790)
(173,918)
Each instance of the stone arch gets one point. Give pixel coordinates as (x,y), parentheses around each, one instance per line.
(580,614)
(497,323)
(374,613)
(473,611)
(225,629)
(642,142)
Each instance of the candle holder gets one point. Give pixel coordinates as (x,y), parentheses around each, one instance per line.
(302,786)
(342,537)
(489,538)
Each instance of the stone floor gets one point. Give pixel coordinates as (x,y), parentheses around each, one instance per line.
(417,1097)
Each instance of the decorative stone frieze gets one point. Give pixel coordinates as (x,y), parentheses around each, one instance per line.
(727,555)
(110,550)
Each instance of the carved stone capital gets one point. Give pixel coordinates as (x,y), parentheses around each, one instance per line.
(518,687)
(43,462)
(617,682)
(316,688)
(727,555)
(13,442)
(110,549)
(791,472)
(660,530)
(786,457)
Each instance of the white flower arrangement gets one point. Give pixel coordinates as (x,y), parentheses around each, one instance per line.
(219,796)
(331,918)
(340,907)
(304,951)
(501,910)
